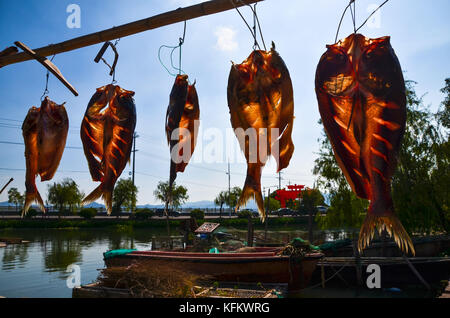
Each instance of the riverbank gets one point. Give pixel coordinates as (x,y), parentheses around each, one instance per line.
(152,223)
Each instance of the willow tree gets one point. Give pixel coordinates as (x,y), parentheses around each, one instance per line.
(176,196)
(125,195)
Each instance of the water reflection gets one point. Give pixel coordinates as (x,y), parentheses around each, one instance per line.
(15,255)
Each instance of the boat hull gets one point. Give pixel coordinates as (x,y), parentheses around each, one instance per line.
(264,266)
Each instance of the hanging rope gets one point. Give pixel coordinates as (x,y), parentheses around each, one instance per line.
(255,22)
(342,18)
(371,15)
(173,48)
(46,91)
(353,13)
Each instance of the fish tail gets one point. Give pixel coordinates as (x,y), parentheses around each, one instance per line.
(389,223)
(98,192)
(173,173)
(31,197)
(252,190)
(107,197)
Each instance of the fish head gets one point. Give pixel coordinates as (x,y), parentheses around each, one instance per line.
(263,67)
(31,120)
(56,113)
(179,89)
(99,101)
(360,61)
(122,105)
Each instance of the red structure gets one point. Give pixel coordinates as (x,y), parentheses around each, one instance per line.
(292,193)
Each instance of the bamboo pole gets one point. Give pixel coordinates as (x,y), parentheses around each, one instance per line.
(157,21)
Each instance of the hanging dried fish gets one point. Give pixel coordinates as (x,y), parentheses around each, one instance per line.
(44,132)
(107,135)
(362,102)
(182,118)
(261,103)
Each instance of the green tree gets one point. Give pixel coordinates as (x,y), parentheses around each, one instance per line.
(310,199)
(220,200)
(232,196)
(124,195)
(271,204)
(15,197)
(65,194)
(420,185)
(174,197)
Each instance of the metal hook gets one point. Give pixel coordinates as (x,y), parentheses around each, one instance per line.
(46,91)
(116,57)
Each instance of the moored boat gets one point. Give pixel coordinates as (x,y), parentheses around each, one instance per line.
(264,265)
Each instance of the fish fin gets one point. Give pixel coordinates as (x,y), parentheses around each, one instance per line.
(94,195)
(31,197)
(97,193)
(392,225)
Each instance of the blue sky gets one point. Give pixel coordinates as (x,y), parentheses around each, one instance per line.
(419,33)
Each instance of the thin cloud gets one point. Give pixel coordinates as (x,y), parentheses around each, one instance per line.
(225,39)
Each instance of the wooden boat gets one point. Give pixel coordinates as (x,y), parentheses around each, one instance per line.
(96,290)
(395,271)
(264,265)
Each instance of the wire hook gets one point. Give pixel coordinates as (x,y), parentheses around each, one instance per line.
(180,44)
(46,91)
(116,57)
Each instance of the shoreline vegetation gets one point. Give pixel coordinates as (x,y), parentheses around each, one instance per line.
(151,223)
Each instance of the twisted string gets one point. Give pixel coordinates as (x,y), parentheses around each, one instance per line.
(255,23)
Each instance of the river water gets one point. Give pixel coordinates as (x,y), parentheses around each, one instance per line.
(40,268)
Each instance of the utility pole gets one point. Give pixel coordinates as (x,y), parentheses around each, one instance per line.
(279,180)
(229,187)
(135,135)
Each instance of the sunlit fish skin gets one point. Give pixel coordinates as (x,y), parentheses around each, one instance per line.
(107,134)
(183,113)
(44,132)
(260,99)
(362,102)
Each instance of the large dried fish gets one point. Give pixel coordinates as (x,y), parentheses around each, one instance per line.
(107,135)
(44,132)
(362,102)
(260,99)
